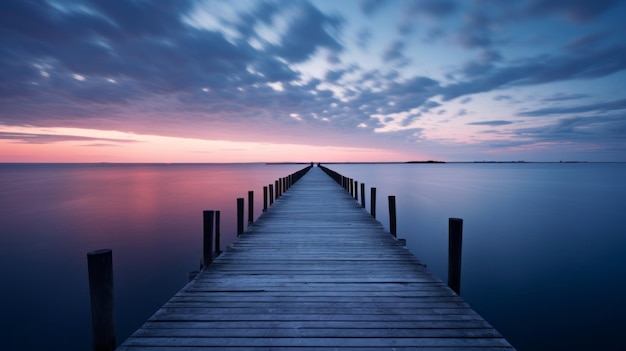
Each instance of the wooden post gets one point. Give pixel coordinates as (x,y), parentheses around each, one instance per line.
(363,195)
(351,187)
(250,206)
(207,242)
(276,190)
(455,243)
(373,202)
(264,198)
(271,194)
(356,190)
(239,216)
(392,215)
(100,267)
(217,233)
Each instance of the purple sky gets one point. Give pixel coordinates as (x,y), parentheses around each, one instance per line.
(220,81)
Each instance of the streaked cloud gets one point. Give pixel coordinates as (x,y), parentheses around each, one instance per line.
(358,72)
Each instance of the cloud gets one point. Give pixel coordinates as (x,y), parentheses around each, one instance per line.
(597,107)
(574,10)
(476,31)
(503,97)
(307,31)
(395,54)
(363,38)
(32,138)
(586,42)
(370,7)
(542,69)
(564,97)
(604,131)
(494,123)
(433,10)
(394,51)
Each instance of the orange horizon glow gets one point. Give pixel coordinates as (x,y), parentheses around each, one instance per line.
(120,147)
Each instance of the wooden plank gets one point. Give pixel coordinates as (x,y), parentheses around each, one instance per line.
(318,272)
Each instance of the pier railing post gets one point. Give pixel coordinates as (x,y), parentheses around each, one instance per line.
(250,206)
(217,233)
(239,216)
(207,242)
(373,202)
(356,190)
(264,198)
(392,215)
(276,190)
(351,187)
(271,187)
(455,241)
(363,195)
(100,267)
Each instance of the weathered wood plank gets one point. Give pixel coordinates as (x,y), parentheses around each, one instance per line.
(316,342)
(318,272)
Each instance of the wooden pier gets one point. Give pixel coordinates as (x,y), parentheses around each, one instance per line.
(315,272)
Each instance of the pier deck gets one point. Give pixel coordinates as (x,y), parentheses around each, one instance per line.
(316,271)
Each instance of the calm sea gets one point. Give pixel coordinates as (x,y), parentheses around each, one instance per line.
(544,255)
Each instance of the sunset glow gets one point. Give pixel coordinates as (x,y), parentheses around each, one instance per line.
(354,80)
(113,146)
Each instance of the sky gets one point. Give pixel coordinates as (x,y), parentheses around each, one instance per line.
(317,80)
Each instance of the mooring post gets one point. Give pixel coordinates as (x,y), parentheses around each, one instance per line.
(455,243)
(239,215)
(351,187)
(217,233)
(356,190)
(363,195)
(271,194)
(207,243)
(250,206)
(264,198)
(373,202)
(100,268)
(276,190)
(392,215)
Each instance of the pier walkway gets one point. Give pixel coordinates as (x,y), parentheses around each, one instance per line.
(315,272)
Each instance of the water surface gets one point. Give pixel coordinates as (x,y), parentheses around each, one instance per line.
(544,245)
(544,252)
(149,215)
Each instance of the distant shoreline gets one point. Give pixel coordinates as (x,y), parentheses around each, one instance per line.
(296,163)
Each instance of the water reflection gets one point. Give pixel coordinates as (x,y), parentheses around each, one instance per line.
(150,215)
(541,243)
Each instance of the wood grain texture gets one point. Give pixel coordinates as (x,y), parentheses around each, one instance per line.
(316,272)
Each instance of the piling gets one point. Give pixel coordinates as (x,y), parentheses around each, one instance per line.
(239,216)
(271,194)
(250,206)
(207,245)
(100,267)
(373,202)
(455,243)
(363,195)
(218,250)
(392,215)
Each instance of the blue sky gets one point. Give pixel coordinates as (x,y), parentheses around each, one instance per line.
(219,81)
